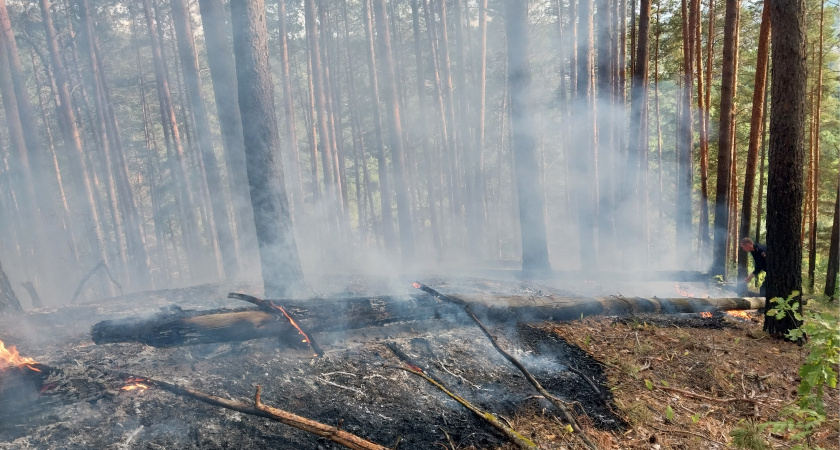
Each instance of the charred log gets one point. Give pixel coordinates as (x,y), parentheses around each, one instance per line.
(178,327)
(269,307)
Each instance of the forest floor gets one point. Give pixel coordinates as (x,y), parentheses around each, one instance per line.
(679,383)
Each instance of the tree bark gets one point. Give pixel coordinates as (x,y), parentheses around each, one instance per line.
(586,192)
(530,193)
(639,137)
(289,110)
(815,159)
(725,133)
(756,129)
(784,183)
(833,252)
(281,269)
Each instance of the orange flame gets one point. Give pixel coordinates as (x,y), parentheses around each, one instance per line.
(683,292)
(135,383)
(11,358)
(740,314)
(416,285)
(706,315)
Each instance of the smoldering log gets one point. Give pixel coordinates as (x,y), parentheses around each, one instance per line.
(179,327)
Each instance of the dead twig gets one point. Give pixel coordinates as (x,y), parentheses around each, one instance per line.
(567,415)
(271,308)
(703,397)
(334,434)
(512,435)
(668,430)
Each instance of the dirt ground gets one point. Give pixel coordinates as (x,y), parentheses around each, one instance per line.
(713,373)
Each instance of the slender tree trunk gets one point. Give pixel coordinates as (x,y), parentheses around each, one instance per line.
(833,252)
(530,193)
(604,103)
(685,140)
(639,136)
(289,110)
(395,126)
(727,112)
(815,158)
(703,122)
(195,97)
(756,129)
(282,275)
(760,207)
(784,183)
(586,191)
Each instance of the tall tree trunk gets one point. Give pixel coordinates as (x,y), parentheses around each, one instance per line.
(530,194)
(787,132)
(217,39)
(388,233)
(605,105)
(586,191)
(833,252)
(756,129)
(178,163)
(639,136)
(685,139)
(396,135)
(725,133)
(195,97)
(289,111)
(703,122)
(815,159)
(282,275)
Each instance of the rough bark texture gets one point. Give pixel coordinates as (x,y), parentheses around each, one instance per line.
(639,135)
(8,300)
(530,193)
(787,132)
(282,275)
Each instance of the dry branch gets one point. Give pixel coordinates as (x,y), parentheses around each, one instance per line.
(334,434)
(512,435)
(703,397)
(33,294)
(554,400)
(269,307)
(90,274)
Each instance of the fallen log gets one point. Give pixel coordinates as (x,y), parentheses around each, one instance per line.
(334,434)
(269,307)
(179,327)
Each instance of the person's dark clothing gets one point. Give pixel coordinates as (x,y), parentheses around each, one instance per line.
(759,254)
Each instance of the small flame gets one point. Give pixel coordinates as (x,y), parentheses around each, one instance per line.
(740,314)
(683,292)
(11,358)
(706,315)
(416,285)
(135,383)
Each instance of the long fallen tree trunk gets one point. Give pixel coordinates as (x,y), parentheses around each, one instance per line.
(328,315)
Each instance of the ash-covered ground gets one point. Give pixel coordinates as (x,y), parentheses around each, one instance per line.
(354,384)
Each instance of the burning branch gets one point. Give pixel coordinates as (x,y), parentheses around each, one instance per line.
(269,307)
(554,400)
(512,435)
(334,434)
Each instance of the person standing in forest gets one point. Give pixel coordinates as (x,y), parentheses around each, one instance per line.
(759,254)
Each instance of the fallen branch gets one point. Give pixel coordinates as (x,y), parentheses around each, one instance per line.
(269,307)
(512,435)
(90,274)
(703,397)
(334,434)
(33,294)
(567,415)
(668,430)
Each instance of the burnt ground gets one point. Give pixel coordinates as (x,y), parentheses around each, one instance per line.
(353,384)
(710,360)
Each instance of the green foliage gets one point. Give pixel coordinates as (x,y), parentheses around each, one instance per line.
(669,413)
(749,435)
(821,334)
